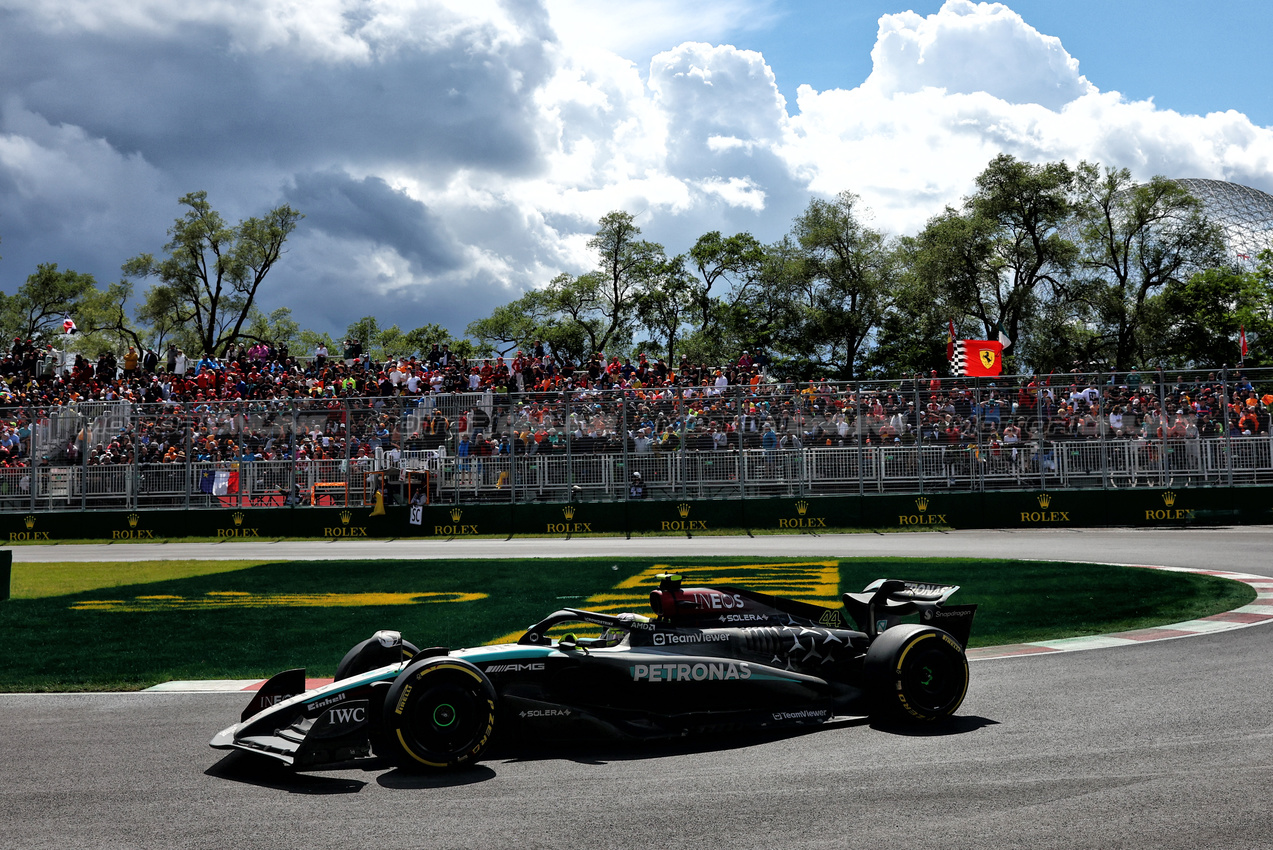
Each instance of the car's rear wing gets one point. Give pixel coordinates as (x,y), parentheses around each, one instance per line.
(883,603)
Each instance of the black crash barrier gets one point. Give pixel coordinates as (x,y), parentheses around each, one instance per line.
(1165,507)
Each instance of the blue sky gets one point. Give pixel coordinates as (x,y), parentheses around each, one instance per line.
(450,154)
(1188,56)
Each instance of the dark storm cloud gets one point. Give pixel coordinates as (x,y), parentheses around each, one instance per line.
(191,101)
(151,115)
(332,302)
(371,210)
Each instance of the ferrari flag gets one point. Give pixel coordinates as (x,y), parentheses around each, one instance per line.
(977,358)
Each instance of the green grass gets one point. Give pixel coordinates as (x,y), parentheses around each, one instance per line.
(33,581)
(50,646)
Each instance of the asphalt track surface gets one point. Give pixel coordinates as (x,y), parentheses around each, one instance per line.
(1160,745)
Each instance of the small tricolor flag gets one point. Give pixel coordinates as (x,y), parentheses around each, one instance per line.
(977,358)
(68,324)
(220,482)
(1003,337)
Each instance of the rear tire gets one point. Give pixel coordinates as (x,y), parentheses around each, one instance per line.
(439,714)
(916,673)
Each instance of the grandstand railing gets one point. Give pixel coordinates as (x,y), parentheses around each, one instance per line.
(1070,431)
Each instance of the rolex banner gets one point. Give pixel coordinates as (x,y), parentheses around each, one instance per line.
(977,358)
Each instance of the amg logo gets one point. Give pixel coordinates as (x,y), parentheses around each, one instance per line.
(689,672)
(323,703)
(515,668)
(666,639)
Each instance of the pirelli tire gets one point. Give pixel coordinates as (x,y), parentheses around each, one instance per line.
(915,673)
(439,714)
(371,654)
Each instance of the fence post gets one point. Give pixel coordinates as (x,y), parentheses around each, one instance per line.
(1162,431)
(679,464)
(626,478)
(189,429)
(33,470)
(570,457)
(85,436)
(1228,440)
(741,433)
(919,434)
(1102,434)
(512,452)
(1043,430)
(134,498)
(857,419)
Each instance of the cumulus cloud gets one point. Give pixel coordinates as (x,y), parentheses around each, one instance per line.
(972,47)
(371,210)
(448,154)
(951,90)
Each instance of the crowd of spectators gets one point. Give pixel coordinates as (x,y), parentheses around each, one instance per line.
(259,402)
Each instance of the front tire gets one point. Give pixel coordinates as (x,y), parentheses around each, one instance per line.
(439,714)
(916,673)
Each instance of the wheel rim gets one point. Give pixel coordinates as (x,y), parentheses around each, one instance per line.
(444,715)
(446,719)
(934,680)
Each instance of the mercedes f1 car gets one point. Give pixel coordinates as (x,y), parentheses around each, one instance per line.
(710,659)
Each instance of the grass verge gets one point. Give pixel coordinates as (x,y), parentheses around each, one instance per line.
(127,626)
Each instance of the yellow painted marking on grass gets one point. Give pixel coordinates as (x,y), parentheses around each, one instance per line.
(815,582)
(222,599)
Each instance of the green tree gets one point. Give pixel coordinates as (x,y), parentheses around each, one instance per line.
(578,316)
(277,328)
(1005,254)
(904,343)
(213,271)
(732,261)
(848,276)
(1137,238)
(605,301)
(1202,317)
(532,317)
(36,311)
(665,302)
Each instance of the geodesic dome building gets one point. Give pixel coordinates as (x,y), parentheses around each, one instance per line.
(1244,214)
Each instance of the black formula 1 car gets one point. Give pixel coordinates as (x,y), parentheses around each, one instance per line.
(710,659)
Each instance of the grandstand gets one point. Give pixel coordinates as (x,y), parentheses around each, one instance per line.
(910,435)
